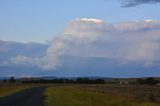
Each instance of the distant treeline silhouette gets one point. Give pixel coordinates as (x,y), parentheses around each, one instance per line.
(64,80)
(80,80)
(148,81)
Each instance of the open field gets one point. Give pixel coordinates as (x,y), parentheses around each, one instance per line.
(140,92)
(76,96)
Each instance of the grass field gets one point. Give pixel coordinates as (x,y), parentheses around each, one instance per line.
(74,96)
(141,92)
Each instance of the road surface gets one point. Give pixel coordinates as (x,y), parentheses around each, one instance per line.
(28,97)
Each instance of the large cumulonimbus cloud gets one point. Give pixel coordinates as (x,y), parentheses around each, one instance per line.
(132,3)
(137,41)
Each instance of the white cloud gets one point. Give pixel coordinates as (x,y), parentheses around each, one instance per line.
(44,63)
(89,20)
(128,41)
(131,41)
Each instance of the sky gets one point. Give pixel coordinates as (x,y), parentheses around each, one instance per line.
(109,38)
(41,20)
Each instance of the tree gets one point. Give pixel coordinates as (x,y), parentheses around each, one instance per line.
(148,81)
(151,81)
(99,81)
(12,80)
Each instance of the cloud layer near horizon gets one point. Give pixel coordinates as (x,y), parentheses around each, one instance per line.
(132,3)
(124,42)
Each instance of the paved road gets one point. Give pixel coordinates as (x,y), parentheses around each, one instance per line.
(28,97)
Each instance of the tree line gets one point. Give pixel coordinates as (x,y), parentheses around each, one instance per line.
(64,80)
(148,81)
(79,80)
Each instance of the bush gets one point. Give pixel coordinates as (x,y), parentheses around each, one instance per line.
(148,81)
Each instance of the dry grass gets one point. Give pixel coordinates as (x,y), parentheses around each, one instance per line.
(10,89)
(74,96)
(140,92)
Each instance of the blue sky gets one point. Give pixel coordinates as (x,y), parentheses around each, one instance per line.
(41,20)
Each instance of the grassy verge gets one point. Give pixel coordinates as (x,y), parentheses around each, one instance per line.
(10,89)
(72,96)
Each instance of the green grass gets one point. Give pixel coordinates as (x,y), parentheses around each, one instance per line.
(73,96)
(8,90)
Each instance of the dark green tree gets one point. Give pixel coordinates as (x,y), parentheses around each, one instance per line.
(151,81)
(148,81)
(12,80)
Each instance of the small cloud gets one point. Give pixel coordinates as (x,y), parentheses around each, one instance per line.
(90,20)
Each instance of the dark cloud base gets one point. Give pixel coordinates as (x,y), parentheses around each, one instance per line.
(132,3)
